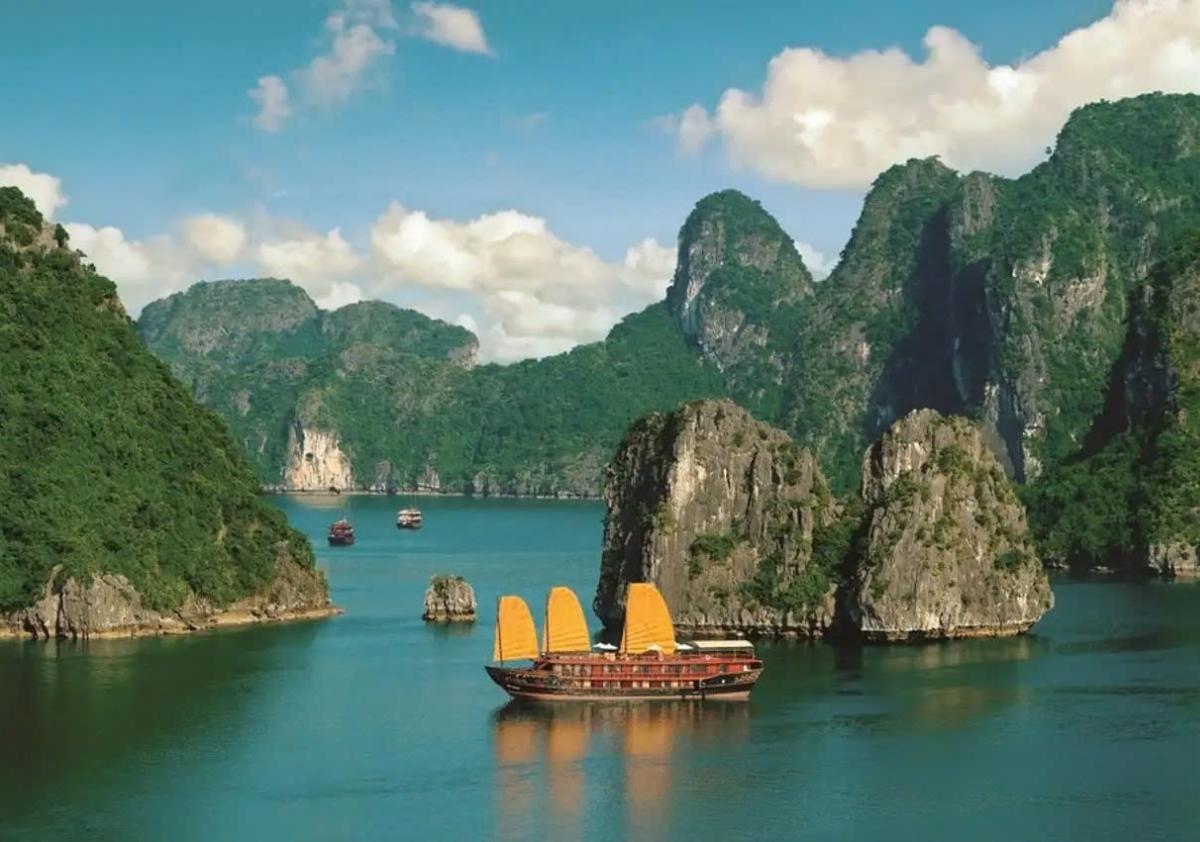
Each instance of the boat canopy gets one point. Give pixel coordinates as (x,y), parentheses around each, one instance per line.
(721,645)
(647,621)
(565,629)
(516,636)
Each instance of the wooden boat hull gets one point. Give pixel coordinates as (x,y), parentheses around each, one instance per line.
(340,542)
(541,686)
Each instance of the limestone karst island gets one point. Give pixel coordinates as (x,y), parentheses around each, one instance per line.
(672,421)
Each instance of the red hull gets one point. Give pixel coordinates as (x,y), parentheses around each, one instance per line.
(588,677)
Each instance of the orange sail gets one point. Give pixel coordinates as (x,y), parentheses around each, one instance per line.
(565,629)
(647,621)
(516,636)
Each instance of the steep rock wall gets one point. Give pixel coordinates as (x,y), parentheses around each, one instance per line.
(315,461)
(719,511)
(947,551)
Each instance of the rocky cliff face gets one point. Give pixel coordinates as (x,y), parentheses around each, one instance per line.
(110,606)
(720,512)
(449,599)
(738,529)
(316,461)
(947,551)
(738,294)
(1132,504)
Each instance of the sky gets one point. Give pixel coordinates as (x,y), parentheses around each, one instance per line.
(518,167)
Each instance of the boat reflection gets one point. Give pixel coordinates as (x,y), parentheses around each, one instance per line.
(542,755)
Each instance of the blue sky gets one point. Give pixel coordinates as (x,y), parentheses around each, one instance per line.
(143,116)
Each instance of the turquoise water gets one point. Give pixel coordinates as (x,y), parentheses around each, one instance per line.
(373,726)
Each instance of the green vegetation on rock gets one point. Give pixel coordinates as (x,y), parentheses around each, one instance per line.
(106,463)
(1006,301)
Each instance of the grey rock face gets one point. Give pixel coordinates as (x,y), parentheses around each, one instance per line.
(449,599)
(109,606)
(719,511)
(948,552)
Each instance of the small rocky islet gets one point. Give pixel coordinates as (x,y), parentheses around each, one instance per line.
(449,599)
(738,528)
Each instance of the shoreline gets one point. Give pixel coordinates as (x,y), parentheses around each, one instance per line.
(324,492)
(232,618)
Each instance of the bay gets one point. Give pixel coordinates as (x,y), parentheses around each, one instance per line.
(375,726)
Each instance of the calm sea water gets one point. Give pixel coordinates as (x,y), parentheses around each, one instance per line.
(373,726)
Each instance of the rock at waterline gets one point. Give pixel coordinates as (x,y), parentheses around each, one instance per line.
(722,513)
(739,530)
(947,549)
(449,599)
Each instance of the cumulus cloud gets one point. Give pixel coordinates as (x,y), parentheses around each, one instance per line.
(648,267)
(216,239)
(44,189)
(354,46)
(358,36)
(819,264)
(274,107)
(142,269)
(503,250)
(542,293)
(452,26)
(311,259)
(825,121)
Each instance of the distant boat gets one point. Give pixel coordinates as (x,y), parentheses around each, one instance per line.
(341,533)
(648,665)
(408,519)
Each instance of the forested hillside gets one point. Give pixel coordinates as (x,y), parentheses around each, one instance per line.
(1004,300)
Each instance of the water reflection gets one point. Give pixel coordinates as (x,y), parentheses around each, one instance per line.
(72,710)
(557,741)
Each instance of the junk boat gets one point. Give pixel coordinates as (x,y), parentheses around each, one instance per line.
(648,665)
(341,533)
(408,519)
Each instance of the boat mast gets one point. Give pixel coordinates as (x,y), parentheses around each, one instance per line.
(499,638)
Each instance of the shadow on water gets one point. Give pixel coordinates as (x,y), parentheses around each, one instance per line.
(543,757)
(892,689)
(80,713)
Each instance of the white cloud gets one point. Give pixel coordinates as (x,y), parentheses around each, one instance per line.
(503,250)
(315,261)
(216,239)
(355,42)
(541,293)
(358,36)
(274,107)
(142,269)
(648,267)
(44,189)
(452,26)
(824,121)
(338,294)
(335,76)
(819,264)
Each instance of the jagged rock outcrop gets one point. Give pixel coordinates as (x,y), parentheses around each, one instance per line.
(947,551)
(721,512)
(738,529)
(110,606)
(737,294)
(449,599)
(316,461)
